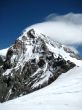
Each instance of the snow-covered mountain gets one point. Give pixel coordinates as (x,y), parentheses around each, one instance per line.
(33,62)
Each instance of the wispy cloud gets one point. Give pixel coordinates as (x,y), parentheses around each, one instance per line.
(68,18)
(66,29)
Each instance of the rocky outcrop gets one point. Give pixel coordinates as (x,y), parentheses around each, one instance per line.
(2,58)
(72,53)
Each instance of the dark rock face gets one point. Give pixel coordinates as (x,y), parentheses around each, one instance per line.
(1,60)
(7,62)
(20,77)
(30,33)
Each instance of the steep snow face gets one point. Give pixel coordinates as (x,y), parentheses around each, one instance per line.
(33,62)
(63,94)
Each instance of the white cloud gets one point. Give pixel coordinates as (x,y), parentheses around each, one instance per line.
(70,18)
(66,29)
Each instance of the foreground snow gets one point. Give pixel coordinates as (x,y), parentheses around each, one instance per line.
(64,94)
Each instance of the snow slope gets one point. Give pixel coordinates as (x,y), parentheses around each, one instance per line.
(63,94)
(3,52)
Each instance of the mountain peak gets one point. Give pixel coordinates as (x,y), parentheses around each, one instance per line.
(32,62)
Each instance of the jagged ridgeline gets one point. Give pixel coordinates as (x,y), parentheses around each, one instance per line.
(32,62)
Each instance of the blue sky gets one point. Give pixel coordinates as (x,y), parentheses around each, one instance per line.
(15,15)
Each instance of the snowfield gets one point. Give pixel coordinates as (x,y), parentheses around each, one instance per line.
(63,94)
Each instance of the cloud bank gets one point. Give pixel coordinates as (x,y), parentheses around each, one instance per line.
(66,29)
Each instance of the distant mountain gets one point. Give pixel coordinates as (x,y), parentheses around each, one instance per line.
(33,62)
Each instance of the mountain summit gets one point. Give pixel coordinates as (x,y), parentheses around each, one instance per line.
(33,62)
